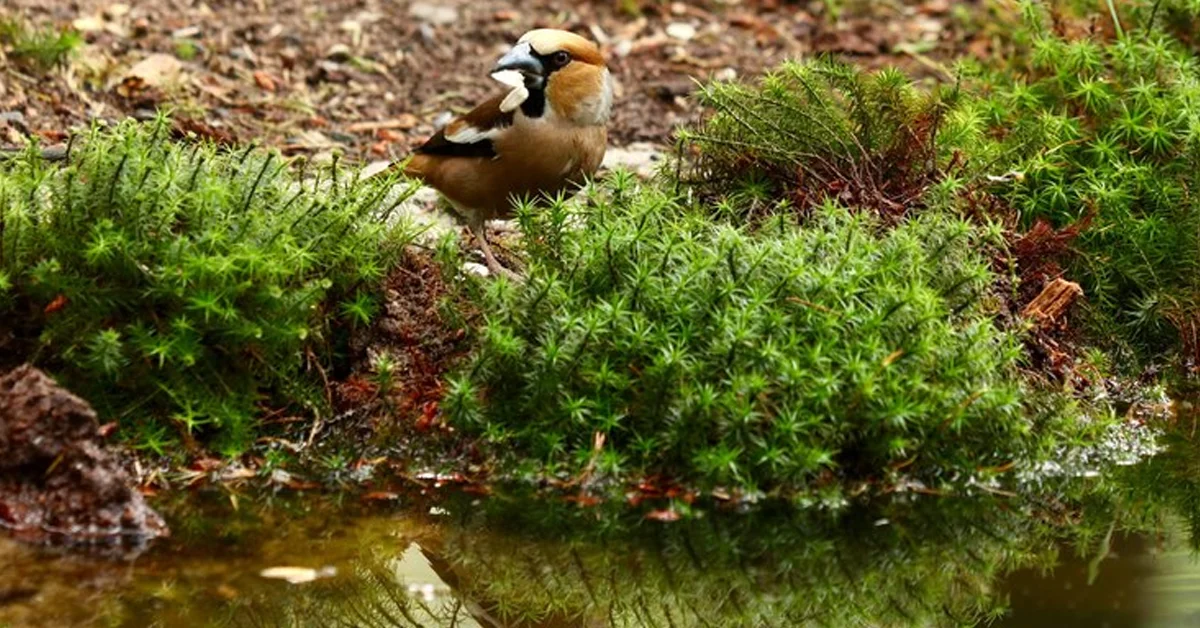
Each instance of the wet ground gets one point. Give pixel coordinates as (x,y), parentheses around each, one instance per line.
(1113,550)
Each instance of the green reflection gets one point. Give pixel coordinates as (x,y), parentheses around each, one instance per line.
(928,562)
(1117,548)
(520,562)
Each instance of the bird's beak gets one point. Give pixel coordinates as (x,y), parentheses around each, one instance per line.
(522,59)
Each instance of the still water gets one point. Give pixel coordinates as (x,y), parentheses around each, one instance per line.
(1113,551)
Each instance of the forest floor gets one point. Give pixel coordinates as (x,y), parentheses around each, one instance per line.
(371,78)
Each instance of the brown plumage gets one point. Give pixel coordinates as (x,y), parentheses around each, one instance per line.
(511,147)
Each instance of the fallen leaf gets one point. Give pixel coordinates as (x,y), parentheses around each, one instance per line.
(185,126)
(374,168)
(367,462)
(892,357)
(403,122)
(264,81)
(155,70)
(53,135)
(241,473)
(388,135)
(429,413)
(477,489)
(88,24)
(381,496)
(57,304)
(934,7)
(663,515)
(205,464)
(582,500)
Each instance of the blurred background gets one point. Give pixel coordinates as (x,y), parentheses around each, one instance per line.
(372,79)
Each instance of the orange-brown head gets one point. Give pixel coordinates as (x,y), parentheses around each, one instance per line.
(564,71)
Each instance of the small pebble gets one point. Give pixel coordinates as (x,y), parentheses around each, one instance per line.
(476,269)
(115,11)
(431,13)
(188,32)
(681,31)
(12,117)
(427,34)
(338,52)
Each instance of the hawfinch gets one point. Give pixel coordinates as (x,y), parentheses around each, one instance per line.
(543,137)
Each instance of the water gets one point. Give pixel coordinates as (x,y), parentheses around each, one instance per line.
(1142,583)
(1105,551)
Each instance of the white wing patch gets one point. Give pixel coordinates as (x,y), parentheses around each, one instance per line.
(469,135)
(519,93)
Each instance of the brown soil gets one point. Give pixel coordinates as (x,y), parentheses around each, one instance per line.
(58,480)
(413,333)
(370,78)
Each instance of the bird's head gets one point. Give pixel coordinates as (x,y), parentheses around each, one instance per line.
(564,74)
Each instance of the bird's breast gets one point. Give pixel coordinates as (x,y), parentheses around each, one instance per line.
(533,158)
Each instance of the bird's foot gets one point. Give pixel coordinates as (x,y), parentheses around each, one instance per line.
(494,266)
(496,269)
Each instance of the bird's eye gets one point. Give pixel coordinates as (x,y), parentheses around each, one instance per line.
(561,58)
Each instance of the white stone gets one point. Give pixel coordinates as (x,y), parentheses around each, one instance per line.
(681,31)
(430,13)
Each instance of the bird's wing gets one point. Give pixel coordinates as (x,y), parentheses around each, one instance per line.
(470,135)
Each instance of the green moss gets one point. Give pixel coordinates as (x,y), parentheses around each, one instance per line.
(820,130)
(37,49)
(1097,133)
(652,339)
(1107,129)
(182,288)
(187,50)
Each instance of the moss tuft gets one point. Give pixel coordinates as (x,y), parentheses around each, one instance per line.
(651,339)
(182,288)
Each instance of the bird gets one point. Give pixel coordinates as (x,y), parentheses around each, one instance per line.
(544,137)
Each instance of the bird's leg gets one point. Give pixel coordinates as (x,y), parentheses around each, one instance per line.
(479,229)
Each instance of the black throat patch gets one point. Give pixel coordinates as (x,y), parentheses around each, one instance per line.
(535,105)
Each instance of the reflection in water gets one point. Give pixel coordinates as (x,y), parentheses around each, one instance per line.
(1147,575)
(925,562)
(1120,595)
(539,563)
(510,561)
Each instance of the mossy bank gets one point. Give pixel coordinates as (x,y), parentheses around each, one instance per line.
(821,299)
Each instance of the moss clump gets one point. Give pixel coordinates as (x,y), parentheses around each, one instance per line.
(652,339)
(817,131)
(1087,140)
(178,288)
(1102,133)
